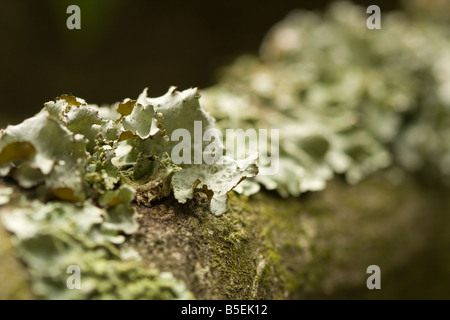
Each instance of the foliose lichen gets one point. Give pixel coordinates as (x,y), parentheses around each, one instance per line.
(85,165)
(346,99)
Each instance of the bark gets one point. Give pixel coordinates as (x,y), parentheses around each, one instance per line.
(318,245)
(315,246)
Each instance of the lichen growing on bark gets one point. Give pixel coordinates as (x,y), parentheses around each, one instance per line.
(347,99)
(50,237)
(84,165)
(98,187)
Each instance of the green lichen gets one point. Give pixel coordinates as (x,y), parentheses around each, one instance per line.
(347,100)
(51,237)
(84,165)
(74,151)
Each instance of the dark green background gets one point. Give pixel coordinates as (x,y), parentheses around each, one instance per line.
(126,45)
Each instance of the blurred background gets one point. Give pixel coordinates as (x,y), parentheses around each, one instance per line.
(124,46)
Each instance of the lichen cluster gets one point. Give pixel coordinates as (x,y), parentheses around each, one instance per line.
(84,166)
(53,236)
(73,151)
(347,99)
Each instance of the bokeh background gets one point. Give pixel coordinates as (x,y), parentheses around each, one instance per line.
(124,46)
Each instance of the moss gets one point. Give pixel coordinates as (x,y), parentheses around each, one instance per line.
(213,256)
(268,247)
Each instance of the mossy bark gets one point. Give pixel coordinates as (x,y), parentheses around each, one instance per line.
(315,246)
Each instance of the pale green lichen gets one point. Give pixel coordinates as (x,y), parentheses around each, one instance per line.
(87,163)
(53,236)
(72,152)
(181,110)
(347,99)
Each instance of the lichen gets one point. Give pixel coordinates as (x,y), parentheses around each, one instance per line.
(74,151)
(50,237)
(347,100)
(84,165)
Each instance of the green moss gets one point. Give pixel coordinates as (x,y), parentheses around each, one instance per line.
(310,246)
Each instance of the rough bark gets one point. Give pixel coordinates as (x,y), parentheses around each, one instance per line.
(315,246)
(318,245)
